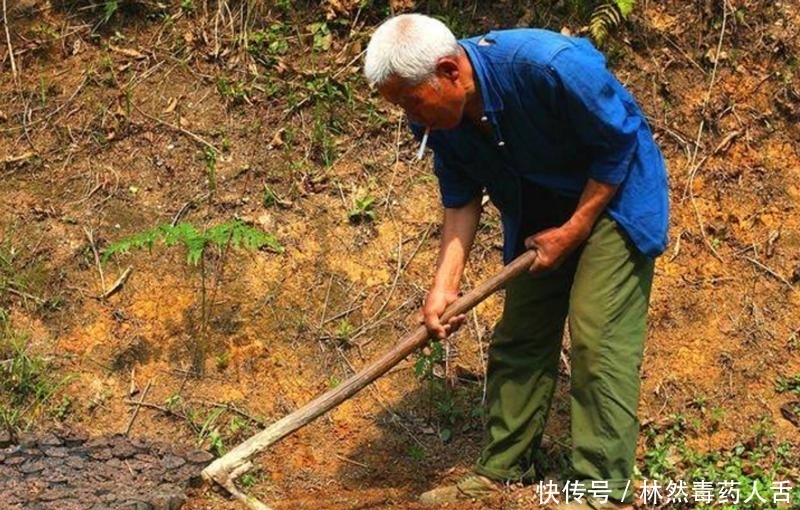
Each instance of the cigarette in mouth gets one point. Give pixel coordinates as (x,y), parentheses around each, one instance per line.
(421,151)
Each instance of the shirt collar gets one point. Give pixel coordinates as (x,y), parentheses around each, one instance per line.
(474,47)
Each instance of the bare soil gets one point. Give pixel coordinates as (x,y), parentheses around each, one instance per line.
(161,115)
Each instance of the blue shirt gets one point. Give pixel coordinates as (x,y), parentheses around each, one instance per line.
(557,117)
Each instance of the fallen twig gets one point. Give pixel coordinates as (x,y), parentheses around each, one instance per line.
(8,42)
(186,132)
(117,284)
(695,167)
(93,246)
(351,461)
(389,297)
(138,405)
(770,272)
(17,159)
(25,295)
(167,411)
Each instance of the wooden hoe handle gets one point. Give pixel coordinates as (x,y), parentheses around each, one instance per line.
(236,462)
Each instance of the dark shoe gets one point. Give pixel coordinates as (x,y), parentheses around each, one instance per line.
(471,487)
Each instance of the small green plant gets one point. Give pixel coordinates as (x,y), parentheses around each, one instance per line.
(209,434)
(210,159)
(109,8)
(267,46)
(363,210)
(220,240)
(416,452)
(268,199)
(447,406)
(236,92)
(222,361)
(248,480)
(172,402)
(321,35)
(788,384)
(344,330)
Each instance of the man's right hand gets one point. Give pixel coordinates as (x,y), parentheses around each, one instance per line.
(431,313)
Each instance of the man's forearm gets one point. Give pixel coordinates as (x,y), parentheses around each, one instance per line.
(458,233)
(593,201)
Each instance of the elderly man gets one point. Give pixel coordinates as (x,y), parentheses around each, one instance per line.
(535,119)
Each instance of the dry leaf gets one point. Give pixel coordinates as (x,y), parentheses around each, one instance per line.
(277,140)
(128,52)
(171,105)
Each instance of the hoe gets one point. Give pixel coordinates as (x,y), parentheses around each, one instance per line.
(236,462)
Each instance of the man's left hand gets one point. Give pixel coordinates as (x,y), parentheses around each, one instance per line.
(553,246)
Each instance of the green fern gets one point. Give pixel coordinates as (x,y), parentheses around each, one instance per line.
(233,233)
(607,16)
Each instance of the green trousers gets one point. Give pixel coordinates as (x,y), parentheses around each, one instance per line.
(603,291)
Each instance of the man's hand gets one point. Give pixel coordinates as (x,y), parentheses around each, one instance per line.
(553,246)
(431,313)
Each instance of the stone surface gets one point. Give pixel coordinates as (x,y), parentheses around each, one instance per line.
(69,470)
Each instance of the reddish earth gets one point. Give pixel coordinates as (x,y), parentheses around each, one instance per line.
(105,130)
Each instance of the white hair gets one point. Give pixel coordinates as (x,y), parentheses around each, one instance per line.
(408,46)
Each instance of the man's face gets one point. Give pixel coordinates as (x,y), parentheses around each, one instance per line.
(437,103)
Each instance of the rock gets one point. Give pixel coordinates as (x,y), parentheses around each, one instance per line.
(67,470)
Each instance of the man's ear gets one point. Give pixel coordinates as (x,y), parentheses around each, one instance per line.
(447,67)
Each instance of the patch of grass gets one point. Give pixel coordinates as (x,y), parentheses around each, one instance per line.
(215,426)
(24,275)
(268,45)
(236,92)
(27,381)
(756,474)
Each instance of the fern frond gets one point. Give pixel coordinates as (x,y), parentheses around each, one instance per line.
(607,16)
(625,7)
(235,233)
